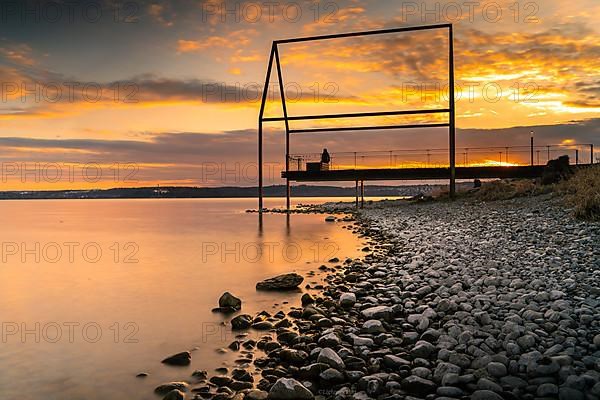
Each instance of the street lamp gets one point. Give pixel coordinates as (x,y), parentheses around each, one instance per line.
(531,147)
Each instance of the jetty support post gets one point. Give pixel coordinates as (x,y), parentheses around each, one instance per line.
(260,130)
(356,193)
(591,154)
(362,194)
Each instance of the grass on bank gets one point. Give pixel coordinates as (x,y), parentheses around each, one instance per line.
(506,189)
(582,192)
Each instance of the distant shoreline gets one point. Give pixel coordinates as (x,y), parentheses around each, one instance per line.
(179,192)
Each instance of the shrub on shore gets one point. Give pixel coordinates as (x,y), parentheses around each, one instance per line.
(506,189)
(582,192)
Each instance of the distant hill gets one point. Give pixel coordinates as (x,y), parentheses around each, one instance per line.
(217,192)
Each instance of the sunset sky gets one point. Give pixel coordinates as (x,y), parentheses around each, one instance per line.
(170,89)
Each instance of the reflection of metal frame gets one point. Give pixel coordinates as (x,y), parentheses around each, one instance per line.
(275,56)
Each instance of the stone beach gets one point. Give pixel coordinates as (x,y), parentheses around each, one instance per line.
(452,300)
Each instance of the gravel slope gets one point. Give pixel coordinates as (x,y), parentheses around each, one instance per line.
(461,300)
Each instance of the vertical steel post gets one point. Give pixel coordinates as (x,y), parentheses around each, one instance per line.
(260,130)
(362,194)
(287,131)
(576,156)
(356,193)
(531,148)
(591,154)
(452,116)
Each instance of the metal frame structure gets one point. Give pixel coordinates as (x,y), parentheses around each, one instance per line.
(274,56)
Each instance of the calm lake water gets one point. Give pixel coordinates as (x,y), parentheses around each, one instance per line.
(93,292)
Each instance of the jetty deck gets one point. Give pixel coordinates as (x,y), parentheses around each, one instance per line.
(351,175)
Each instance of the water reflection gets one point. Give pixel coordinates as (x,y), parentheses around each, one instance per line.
(163,265)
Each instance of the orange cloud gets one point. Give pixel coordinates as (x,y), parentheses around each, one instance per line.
(18,54)
(157,11)
(188,46)
(236,39)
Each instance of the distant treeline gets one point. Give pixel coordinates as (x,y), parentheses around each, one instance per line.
(217,192)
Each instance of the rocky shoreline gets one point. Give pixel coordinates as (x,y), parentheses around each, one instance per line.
(463,300)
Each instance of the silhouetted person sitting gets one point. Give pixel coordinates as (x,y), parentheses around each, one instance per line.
(325,158)
(320,166)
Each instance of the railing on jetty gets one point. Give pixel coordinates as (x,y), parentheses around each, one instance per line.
(438,158)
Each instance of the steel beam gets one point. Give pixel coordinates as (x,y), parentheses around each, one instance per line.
(358,115)
(367,128)
(364,33)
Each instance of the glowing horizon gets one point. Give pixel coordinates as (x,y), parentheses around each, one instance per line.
(185,76)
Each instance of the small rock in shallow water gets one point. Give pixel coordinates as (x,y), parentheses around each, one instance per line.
(281,282)
(167,387)
(220,380)
(200,374)
(307,299)
(179,359)
(227,301)
(174,395)
(241,322)
(262,326)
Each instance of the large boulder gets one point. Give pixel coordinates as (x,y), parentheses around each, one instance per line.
(289,389)
(281,282)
